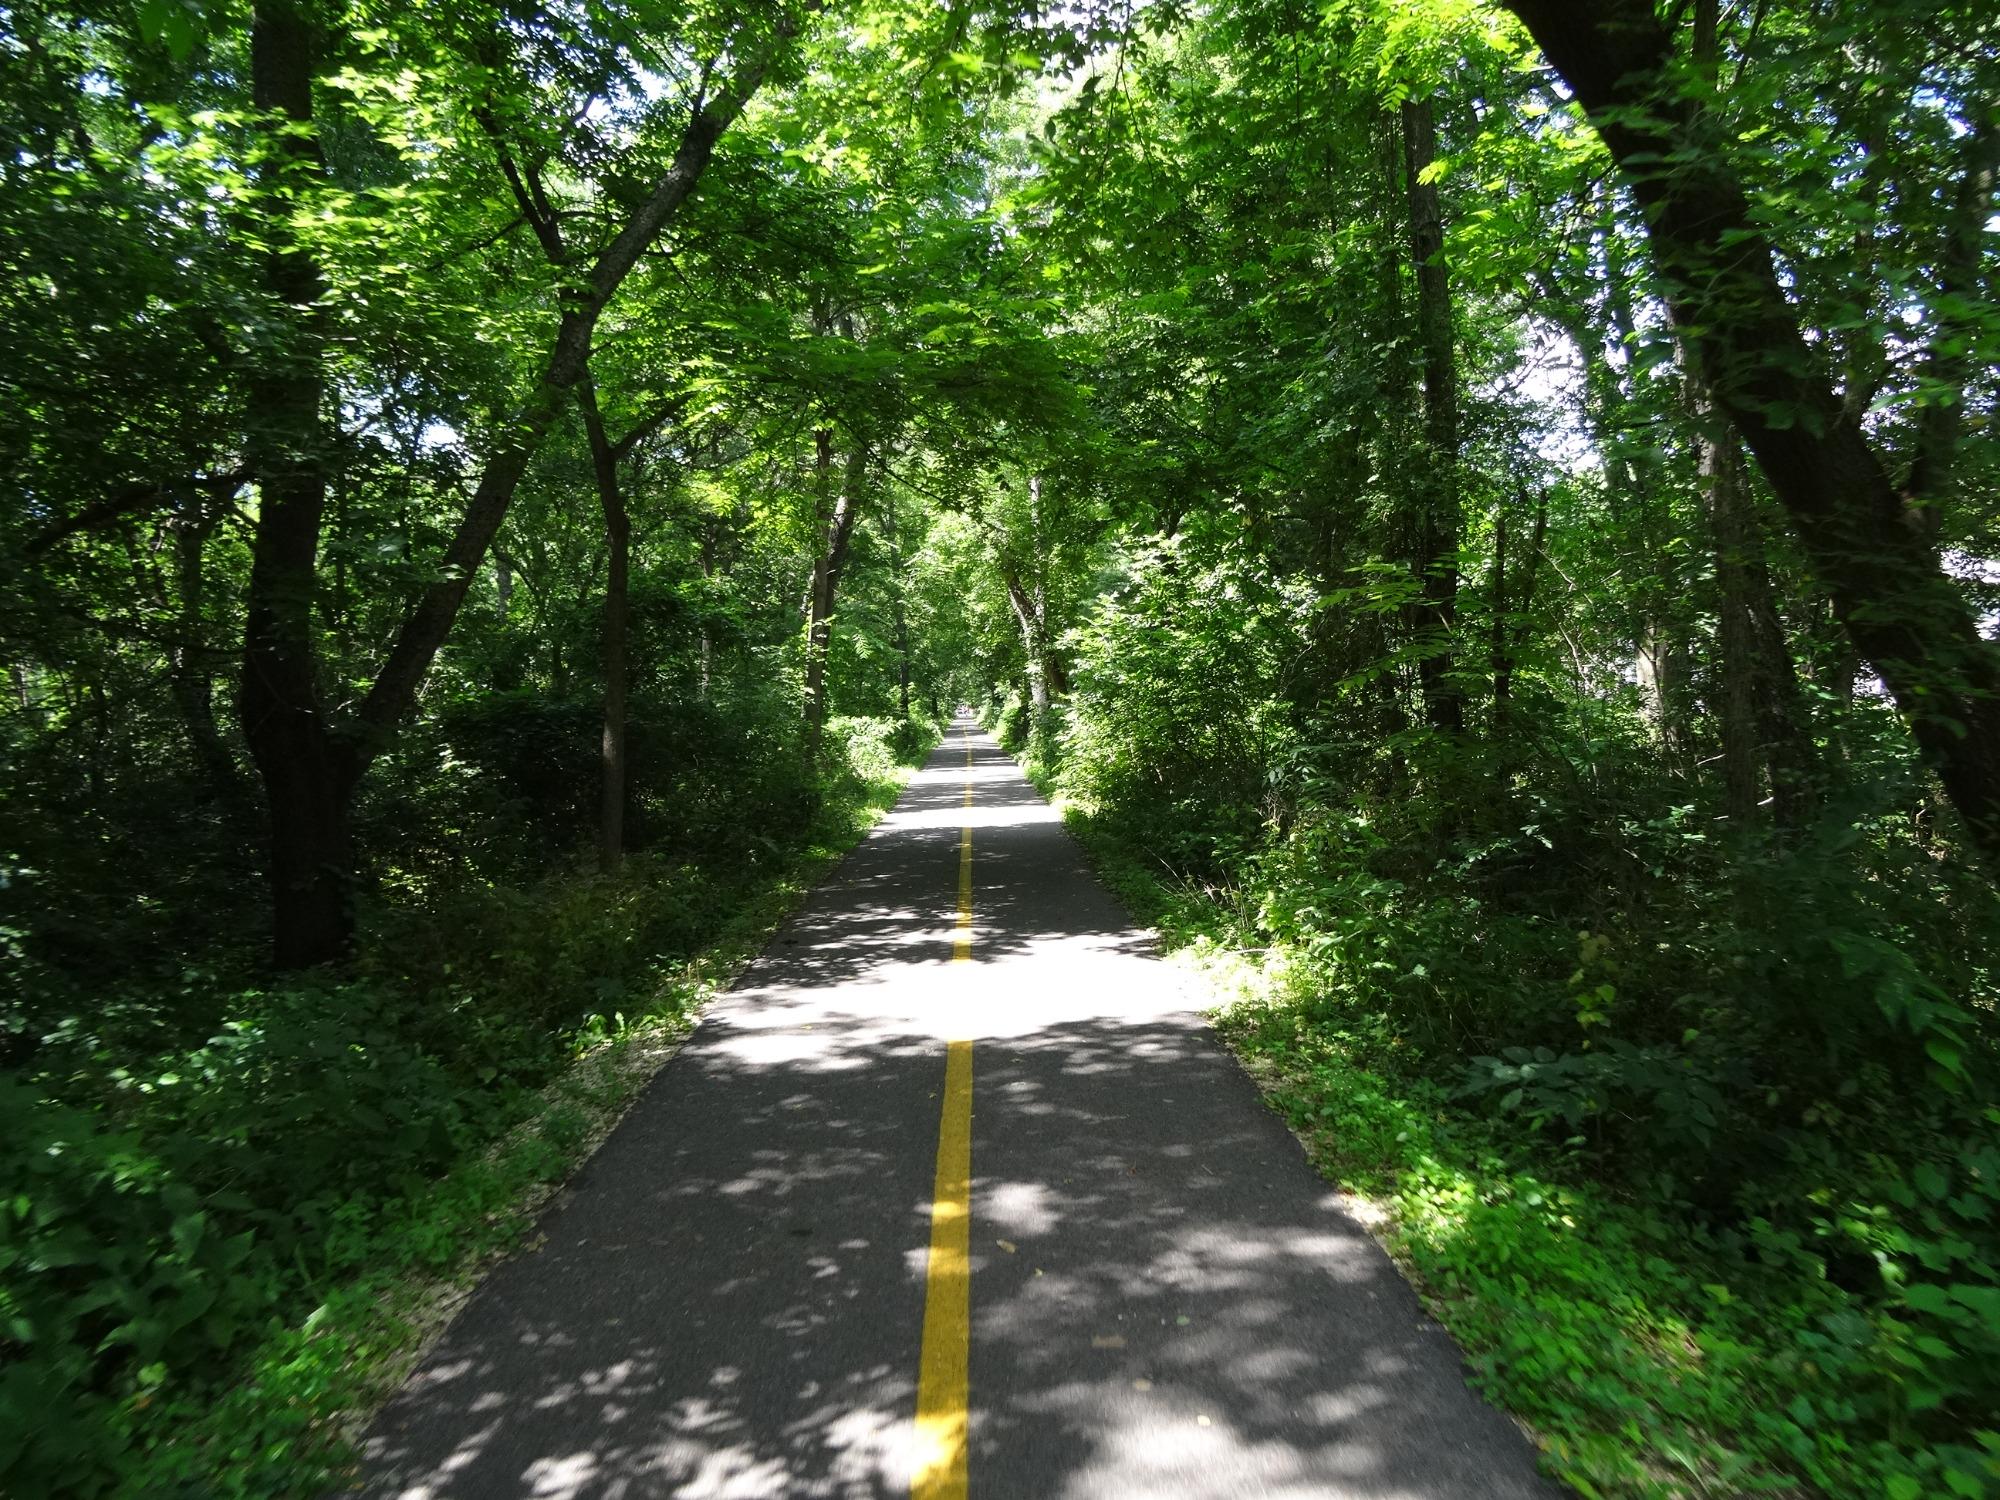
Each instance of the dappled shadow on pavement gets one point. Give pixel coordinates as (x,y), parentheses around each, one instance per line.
(727,1300)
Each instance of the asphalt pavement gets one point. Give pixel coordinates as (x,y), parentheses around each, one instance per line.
(1164,1301)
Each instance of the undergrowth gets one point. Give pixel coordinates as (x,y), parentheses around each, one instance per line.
(1840,1344)
(216,1256)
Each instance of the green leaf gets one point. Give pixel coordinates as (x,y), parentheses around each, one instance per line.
(168,22)
(1925,1297)
(1946,1055)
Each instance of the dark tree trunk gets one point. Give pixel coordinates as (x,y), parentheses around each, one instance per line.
(308,778)
(1510,624)
(425,628)
(704,687)
(1438,512)
(1763,719)
(618,539)
(1906,617)
(190,664)
(1948,361)
(1502,658)
(310,769)
(1722,480)
(1791,757)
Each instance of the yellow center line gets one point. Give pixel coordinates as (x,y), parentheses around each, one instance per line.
(942,1373)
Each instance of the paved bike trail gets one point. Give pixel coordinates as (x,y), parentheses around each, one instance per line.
(1165,1300)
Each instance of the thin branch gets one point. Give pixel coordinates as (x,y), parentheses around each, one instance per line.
(130,500)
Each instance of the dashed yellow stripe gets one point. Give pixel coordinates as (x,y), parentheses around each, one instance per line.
(942,1380)
(942,1375)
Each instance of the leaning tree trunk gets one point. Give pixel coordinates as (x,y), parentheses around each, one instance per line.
(1031,643)
(1791,757)
(1904,614)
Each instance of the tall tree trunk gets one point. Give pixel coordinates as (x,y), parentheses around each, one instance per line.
(1037,676)
(1510,624)
(1722,481)
(1905,615)
(838,512)
(1500,661)
(618,541)
(1055,679)
(307,779)
(704,687)
(1438,518)
(1948,361)
(899,611)
(1792,760)
(190,673)
(310,768)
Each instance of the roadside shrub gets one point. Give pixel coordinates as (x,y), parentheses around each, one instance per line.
(1009,720)
(117,1281)
(143,1247)
(499,974)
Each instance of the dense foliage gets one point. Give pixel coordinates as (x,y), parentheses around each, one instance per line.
(1500,537)
(1441,647)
